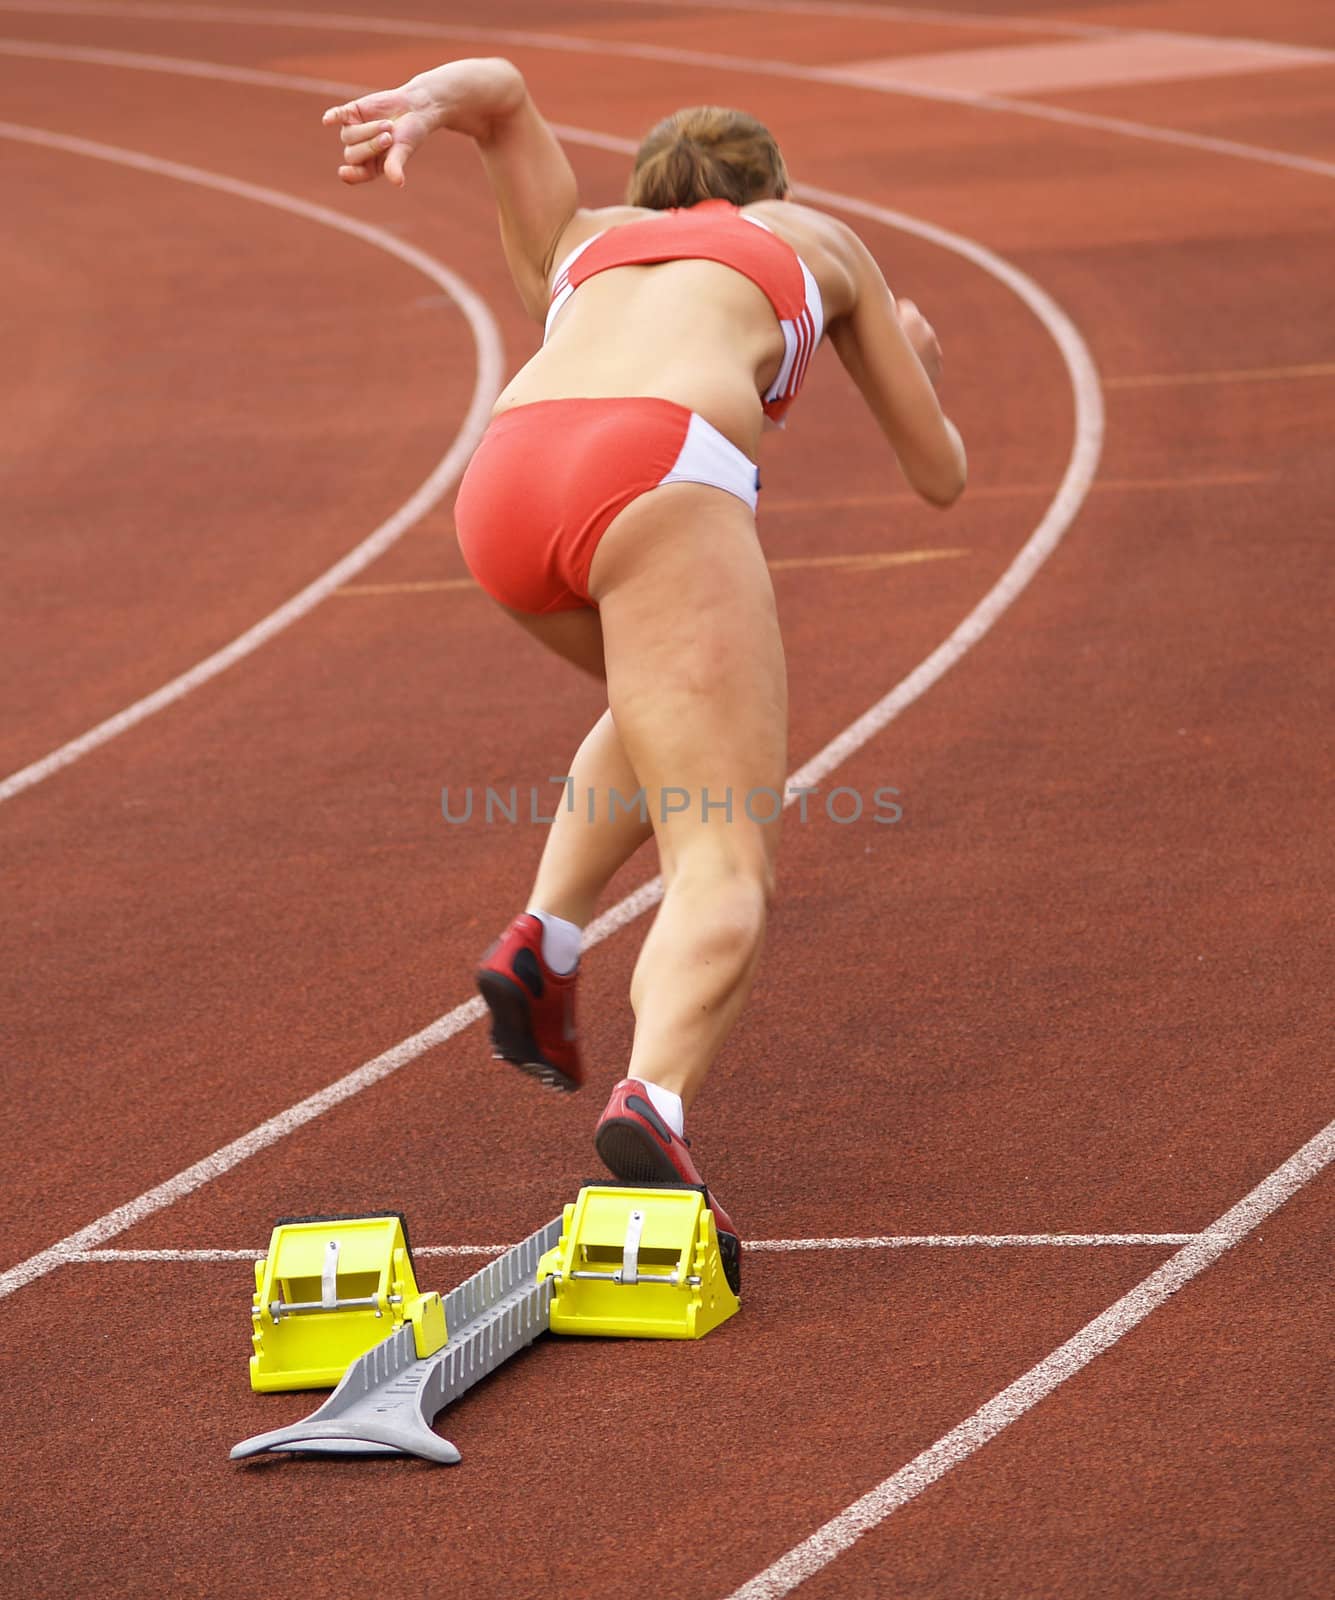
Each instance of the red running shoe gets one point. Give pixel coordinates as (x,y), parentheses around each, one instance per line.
(532,1007)
(638,1147)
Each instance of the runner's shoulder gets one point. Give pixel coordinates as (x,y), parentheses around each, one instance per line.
(589,221)
(830,248)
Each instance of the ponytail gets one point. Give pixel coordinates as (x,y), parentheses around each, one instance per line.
(707,153)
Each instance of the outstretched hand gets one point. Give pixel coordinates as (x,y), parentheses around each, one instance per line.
(379,132)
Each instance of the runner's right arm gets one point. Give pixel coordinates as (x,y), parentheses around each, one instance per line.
(488,101)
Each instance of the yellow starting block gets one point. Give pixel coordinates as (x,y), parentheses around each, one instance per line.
(640,1264)
(336,1302)
(329,1289)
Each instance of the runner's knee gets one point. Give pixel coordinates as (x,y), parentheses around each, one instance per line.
(729,900)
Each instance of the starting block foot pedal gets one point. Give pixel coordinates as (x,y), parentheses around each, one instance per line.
(642,1263)
(729,1244)
(329,1290)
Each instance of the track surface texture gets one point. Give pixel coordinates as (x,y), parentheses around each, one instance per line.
(1021,1047)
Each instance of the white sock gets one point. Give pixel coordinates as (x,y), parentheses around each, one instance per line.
(560,941)
(668,1106)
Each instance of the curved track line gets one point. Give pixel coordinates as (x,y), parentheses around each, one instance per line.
(811,8)
(490,365)
(1075,485)
(1070,494)
(178,66)
(837,1535)
(1089,423)
(575,44)
(981,20)
(914,14)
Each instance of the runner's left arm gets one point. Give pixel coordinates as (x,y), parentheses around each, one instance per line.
(488,101)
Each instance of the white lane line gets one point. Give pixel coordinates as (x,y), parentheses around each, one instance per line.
(1050,27)
(232,1155)
(832,1539)
(1175,380)
(914,14)
(904,1241)
(815,8)
(757,67)
(85,1256)
(1075,485)
(486,386)
(178,66)
(1071,492)
(971,1241)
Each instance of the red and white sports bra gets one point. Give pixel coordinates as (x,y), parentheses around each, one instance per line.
(714,230)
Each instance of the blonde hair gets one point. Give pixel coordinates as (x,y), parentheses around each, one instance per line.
(706,153)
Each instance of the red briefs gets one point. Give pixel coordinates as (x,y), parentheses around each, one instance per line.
(549,477)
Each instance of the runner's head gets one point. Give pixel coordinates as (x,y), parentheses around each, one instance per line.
(707,153)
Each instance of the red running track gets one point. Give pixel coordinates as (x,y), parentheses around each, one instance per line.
(1082,989)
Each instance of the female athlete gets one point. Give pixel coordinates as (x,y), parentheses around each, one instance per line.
(610,509)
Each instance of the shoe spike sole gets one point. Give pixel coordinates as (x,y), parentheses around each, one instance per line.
(511,1037)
